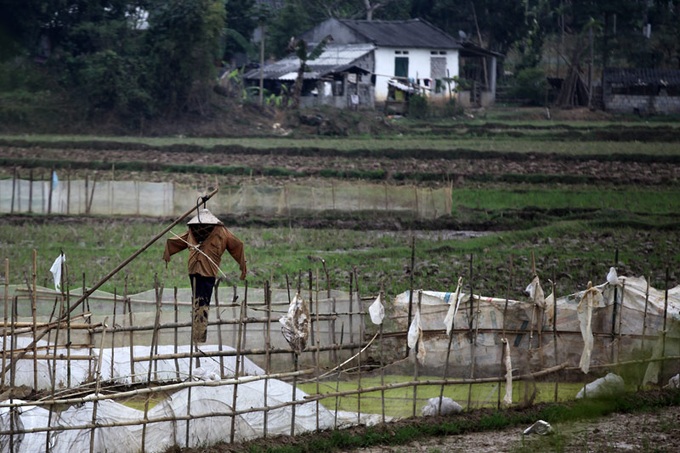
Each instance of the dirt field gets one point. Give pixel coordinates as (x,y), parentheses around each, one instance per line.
(646,432)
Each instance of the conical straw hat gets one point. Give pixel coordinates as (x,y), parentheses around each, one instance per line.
(204,217)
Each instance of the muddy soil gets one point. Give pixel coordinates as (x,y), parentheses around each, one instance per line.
(456,171)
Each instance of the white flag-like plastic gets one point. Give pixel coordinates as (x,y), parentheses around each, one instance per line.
(591,299)
(377,311)
(507,399)
(414,331)
(453,307)
(56,271)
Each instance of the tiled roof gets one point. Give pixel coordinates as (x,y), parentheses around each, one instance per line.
(641,76)
(414,33)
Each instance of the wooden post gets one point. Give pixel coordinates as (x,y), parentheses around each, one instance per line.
(30,190)
(98,381)
(267,353)
(382,359)
(4,324)
(14,189)
(239,340)
(554,327)
(220,345)
(415,359)
(49,195)
(361,341)
(34,313)
(473,340)
(175,306)
(410,293)
(665,318)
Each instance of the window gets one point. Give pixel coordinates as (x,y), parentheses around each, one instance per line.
(401,66)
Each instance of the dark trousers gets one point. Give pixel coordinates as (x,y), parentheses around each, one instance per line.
(202,288)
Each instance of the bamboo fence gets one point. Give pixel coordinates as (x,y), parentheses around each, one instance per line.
(343,347)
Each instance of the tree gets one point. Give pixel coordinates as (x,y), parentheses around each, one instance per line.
(184,43)
(241,21)
(302,51)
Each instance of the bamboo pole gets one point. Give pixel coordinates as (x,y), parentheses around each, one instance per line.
(237,364)
(34,315)
(113,334)
(5,300)
(318,345)
(220,344)
(415,358)
(665,318)
(337,378)
(175,309)
(473,341)
(618,346)
(98,381)
(504,337)
(361,340)
(30,191)
(554,328)
(410,293)
(267,344)
(382,358)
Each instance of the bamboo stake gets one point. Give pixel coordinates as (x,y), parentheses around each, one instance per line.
(504,335)
(4,323)
(554,326)
(113,334)
(410,293)
(361,340)
(237,365)
(132,339)
(473,341)
(337,379)
(267,343)
(665,317)
(98,380)
(382,358)
(623,293)
(318,345)
(333,352)
(175,307)
(68,327)
(415,358)
(34,315)
(220,344)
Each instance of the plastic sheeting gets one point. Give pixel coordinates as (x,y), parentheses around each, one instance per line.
(618,322)
(116,365)
(202,413)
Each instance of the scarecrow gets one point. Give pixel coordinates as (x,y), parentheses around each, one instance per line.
(207,239)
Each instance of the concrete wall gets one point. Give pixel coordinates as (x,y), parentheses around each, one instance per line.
(418,67)
(626,103)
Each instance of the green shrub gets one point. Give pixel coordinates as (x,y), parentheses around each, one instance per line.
(418,107)
(530,86)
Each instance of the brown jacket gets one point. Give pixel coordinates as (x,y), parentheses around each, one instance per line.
(204,259)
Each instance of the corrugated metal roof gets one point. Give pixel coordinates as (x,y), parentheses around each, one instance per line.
(642,76)
(413,33)
(335,58)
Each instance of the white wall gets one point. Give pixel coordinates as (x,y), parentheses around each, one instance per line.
(418,66)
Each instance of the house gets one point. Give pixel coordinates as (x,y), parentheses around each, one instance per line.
(369,63)
(641,91)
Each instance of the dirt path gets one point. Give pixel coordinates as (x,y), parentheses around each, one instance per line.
(639,432)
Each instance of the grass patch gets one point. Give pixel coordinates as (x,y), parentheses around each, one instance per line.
(574,251)
(399,401)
